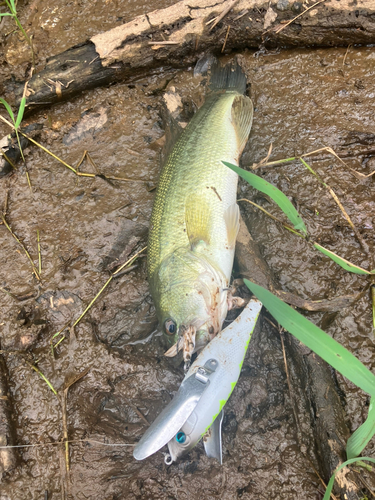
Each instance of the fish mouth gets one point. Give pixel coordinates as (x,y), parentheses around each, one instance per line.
(186,343)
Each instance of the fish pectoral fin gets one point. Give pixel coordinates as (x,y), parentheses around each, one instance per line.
(242,119)
(197,220)
(212,439)
(232,221)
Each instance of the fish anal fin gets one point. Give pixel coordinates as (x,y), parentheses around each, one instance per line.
(242,119)
(232,222)
(197,220)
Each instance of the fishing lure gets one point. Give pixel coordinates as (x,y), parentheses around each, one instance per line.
(196,411)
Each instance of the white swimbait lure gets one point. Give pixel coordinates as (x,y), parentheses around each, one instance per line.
(196,410)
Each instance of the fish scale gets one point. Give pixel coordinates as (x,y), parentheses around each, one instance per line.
(195,163)
(194,221)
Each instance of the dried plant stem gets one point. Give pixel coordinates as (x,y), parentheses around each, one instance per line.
(164,42)
(299,15)
(346,53)
(224,13)
(64,404)
(329,189)
(28,179)
(62,329)
(43,377)
(114,275)
(82,174)
(65,431)
(93,300)
(127,263)
(74,170)
(8,159)
(35,271)
(39,253)
(226,38)
(71,441)
(9,293)
(329,150)
(290,228)
(57,343)
(265,159)
(87,155)
(356,232)
(340,205)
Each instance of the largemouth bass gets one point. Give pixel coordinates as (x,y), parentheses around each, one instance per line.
(195,218)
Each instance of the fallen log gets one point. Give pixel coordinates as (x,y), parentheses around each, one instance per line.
(312,386)
(178,35)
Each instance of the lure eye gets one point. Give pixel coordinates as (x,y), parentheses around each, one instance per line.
(180,437)
(170,327)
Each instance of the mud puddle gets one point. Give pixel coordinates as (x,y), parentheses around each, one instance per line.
(304,100)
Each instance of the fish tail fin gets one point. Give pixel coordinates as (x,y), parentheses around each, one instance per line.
(230,77)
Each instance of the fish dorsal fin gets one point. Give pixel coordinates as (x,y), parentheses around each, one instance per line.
(232,221)
(197,220)
(242,119)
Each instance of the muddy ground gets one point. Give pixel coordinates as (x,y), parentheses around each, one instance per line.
(304,100)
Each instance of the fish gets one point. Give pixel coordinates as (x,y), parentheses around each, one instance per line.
(195,217)
(196,411)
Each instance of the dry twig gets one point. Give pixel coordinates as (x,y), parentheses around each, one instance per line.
(226,38)
(299,15)
(224,13)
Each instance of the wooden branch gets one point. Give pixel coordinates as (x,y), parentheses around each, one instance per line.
(313,389)
(181,35)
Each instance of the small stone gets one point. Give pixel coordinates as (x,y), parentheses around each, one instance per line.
(297,7)
(269,18)
(282,5)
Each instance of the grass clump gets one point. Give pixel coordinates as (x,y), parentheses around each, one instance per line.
(11,4)
(303,329)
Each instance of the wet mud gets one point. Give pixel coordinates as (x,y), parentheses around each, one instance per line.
(304,100)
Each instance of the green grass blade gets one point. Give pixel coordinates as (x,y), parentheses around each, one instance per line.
(44,378)
(345,264)
(277,196)
(317,340)
(359,439)
(8,108)
(328,492)
(21,111)
(2,14)
(312,171)
(12,6)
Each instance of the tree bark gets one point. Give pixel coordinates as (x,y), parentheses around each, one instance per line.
(127,51)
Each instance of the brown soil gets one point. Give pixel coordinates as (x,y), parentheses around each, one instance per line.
(304,99)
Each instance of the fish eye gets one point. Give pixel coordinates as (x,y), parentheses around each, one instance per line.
(170,326)
(180,437)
